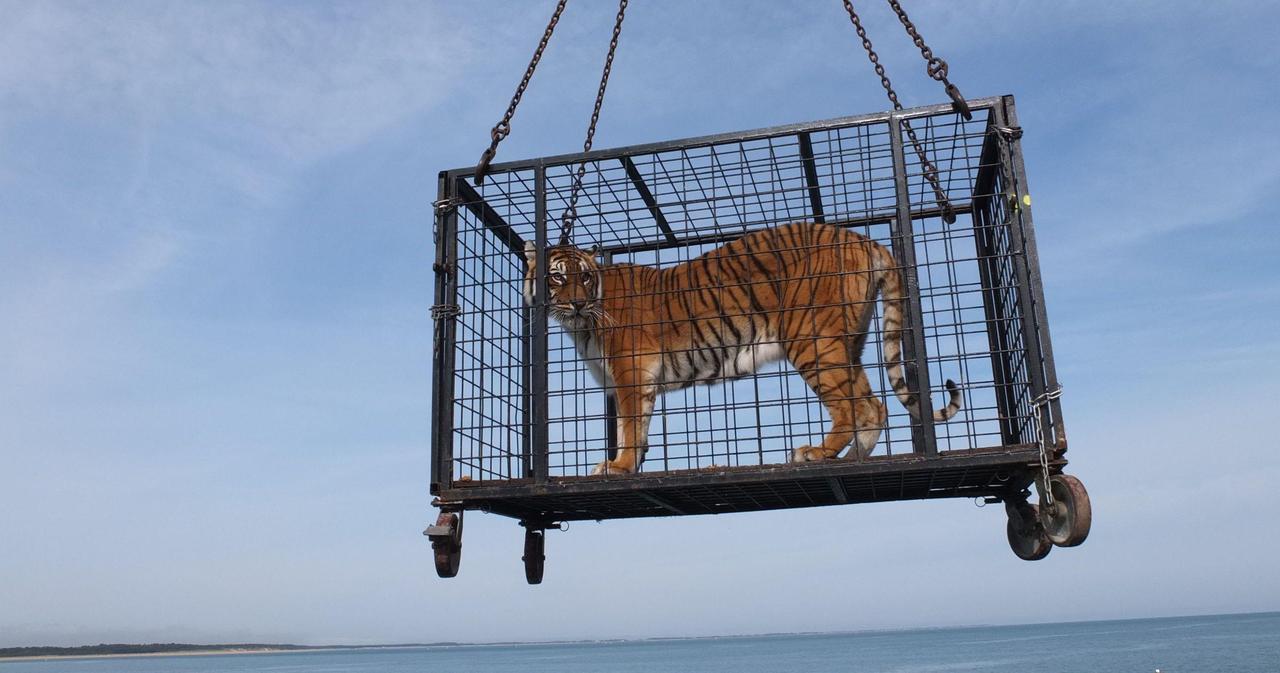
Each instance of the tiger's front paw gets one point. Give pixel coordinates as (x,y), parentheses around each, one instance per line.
(808,454)
(612,467)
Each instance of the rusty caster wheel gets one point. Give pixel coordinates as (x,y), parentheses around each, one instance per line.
(446,543)
(535,540)
(1026,535)
(1067,522)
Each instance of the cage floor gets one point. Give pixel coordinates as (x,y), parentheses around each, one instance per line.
(971,473)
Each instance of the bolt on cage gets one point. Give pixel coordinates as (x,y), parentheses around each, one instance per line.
(519,422)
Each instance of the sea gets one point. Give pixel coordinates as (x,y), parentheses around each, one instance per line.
(1246,643)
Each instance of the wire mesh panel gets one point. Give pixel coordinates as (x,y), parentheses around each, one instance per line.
(520,398)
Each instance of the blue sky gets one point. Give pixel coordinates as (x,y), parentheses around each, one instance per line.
(215,256)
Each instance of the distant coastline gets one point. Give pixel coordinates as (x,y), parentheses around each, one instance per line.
(180,649)
(187,649)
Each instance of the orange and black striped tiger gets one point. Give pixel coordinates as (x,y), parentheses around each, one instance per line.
(802,292)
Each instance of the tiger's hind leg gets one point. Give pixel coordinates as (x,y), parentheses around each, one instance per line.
(870,416)
(857,415)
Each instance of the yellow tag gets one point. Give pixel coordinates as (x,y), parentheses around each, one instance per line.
(1026,199)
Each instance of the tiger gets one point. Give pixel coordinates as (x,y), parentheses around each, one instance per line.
(803,292)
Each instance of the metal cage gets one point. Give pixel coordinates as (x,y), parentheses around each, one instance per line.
(518,420)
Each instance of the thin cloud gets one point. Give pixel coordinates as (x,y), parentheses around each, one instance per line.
(300,81)
(171,113)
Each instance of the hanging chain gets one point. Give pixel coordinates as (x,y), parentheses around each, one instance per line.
(503,128)
(871,54)
(930,173)
(934,66)
(571,213)
(1037,410)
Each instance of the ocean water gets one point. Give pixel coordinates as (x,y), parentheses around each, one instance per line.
(1246,643)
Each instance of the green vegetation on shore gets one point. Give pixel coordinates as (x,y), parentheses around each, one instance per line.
(134,648)
(104,649)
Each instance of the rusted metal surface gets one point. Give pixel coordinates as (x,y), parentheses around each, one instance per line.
(738,489)
(446,543)
(1068,520)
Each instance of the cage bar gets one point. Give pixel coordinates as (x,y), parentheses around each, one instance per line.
(519,421)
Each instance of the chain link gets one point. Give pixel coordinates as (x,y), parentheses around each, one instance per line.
(930,172)
(571,212)
(1037,407)
(503,128)
(935,67)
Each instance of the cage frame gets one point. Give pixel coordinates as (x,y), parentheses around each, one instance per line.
(540,499)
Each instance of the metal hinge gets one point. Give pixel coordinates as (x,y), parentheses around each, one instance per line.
(435,530)
(1008,133)
(442,205)
(440,311)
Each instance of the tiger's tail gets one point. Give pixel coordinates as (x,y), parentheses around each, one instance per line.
(890,283)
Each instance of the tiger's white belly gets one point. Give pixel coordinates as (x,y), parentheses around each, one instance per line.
(750,358)
(744,361)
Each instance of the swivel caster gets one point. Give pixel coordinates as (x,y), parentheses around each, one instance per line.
(1026,536)
(535,540)
(446,543)
(1067,521)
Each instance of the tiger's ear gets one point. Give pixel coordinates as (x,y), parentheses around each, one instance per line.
(596,250)
(530,252)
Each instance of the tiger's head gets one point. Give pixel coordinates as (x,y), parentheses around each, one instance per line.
(575,285)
